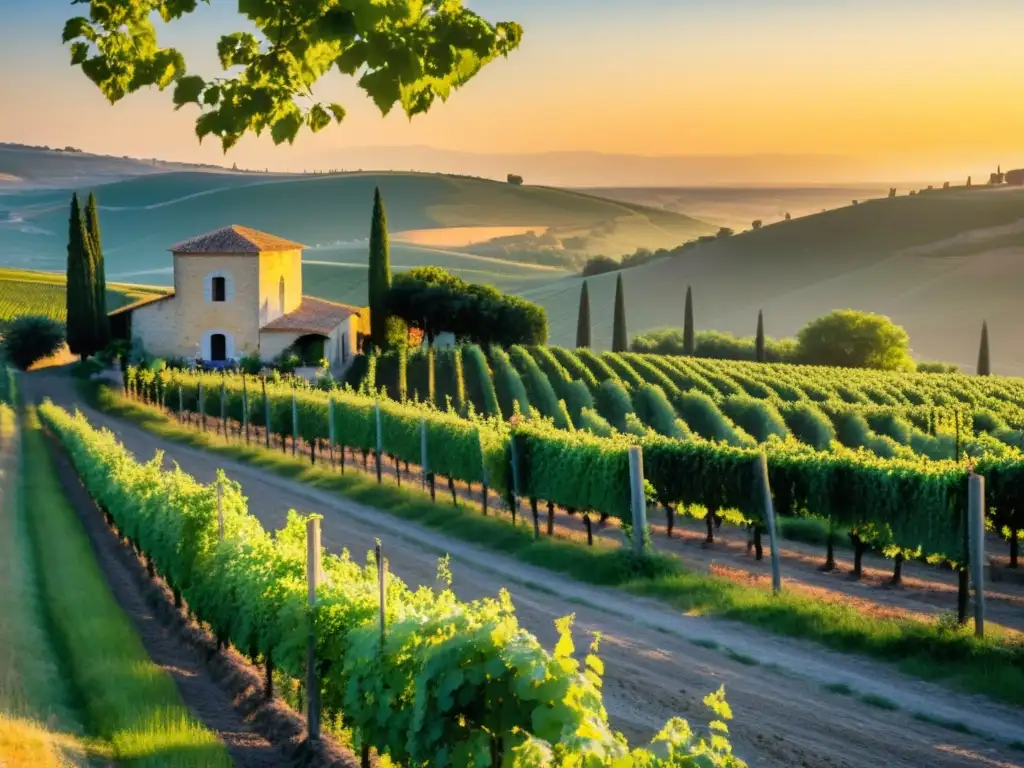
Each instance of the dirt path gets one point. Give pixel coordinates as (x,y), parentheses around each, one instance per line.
(654,667)
(204,698)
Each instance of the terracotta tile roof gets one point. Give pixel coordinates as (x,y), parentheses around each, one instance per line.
(313,316)
(235,239)
(140,303)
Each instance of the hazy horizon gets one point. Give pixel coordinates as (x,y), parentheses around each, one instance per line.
(835,95)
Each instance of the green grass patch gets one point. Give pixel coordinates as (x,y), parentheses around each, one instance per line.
(126,700)
(841,688)
(874,700)
(993,666)
(38,724)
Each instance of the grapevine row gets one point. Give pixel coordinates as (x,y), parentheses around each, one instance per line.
(910,504)
(450,683)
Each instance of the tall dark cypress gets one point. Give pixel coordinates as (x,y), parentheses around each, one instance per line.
(583,320)
(984,361)
(379,281)
(689,342)
(79,305)
(759,338)
(620,338)
(92,223)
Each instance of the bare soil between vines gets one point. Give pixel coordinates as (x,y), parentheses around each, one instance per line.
(658,663)
(221,688)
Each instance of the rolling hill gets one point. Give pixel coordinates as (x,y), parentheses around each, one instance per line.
(543,233)
(937,263)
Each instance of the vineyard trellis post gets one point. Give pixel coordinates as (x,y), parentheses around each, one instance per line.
(638,499)
(483,474)
(202,407)
(330,427)
(378,552)
(313,580)
(220,507)
(769,515)
(245,409)
(181,404)
(266,414)
(380,441)
(295,420)
(514,450)
(976,516)
(424,456)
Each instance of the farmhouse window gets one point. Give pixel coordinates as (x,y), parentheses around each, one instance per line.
(219,289)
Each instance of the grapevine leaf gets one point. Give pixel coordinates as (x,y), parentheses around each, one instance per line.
(77,27)
(188,90)
(318,118)
(79,53)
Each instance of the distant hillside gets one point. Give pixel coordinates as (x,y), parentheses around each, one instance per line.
(24,167)
(543,233)
(937,263)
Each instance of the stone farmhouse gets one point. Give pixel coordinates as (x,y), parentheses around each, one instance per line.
(238,291)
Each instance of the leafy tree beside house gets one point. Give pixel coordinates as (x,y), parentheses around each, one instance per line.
(435,301)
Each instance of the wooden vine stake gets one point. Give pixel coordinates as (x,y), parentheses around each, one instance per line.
(202,407)
(330,427)
(181,404)
(295,421)
(266,413)
(223,409)
(424,455)
(245,410)
(313,580)
(638,499)
(976,516)
(220,507)
(483,474)
(769,516)
(514,455)
(380,441)
(378,552)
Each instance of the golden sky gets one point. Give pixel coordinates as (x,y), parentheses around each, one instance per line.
(906,84)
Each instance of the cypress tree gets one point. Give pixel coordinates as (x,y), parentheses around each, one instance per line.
(984,363)
(759,338)
(80,321)
(689,344)
(583,321)
(620,339)
(379,282)
(92,223)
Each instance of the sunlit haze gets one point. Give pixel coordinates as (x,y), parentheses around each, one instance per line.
(884,89)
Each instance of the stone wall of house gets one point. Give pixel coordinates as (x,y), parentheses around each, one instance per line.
(181,326)
(274,268)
